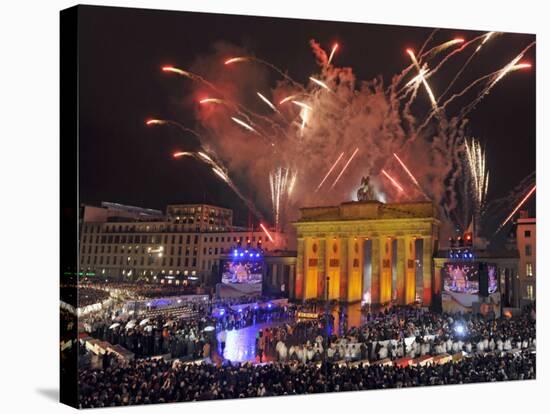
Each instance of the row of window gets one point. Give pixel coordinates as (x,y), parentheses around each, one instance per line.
(148,239)
(129,261)
(192,220)
(175,228)
(205,265)
(192,210)
(151,250)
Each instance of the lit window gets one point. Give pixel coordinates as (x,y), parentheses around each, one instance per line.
(529,270)
(530,292)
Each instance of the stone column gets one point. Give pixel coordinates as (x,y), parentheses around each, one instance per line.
(410,269)
(333,266)
(298,288)
(401,269)
(375,271)
(344,269)
(311,276)
(355,269)
(274,275)
(427,271)
(322,269)
(385,269)
(291,281)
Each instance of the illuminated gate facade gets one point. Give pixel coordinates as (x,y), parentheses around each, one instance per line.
(368,250)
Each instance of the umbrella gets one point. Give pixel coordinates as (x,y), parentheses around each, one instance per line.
(144,322)
(148,328)
(114,325)
(131,324)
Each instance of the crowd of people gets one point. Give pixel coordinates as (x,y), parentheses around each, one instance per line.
(83,297)
(146,381)
(184,338)
(228,318)
(410,332)
(307,355)
(140,290)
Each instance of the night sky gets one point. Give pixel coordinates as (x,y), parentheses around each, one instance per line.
(121,85)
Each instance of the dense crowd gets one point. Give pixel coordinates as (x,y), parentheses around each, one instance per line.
(82,297)
(180,337)
(90,296)
(146,381)
(409,332)
(308,355)
(246,316)
(141,290)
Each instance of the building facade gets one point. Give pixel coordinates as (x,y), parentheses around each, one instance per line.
(189,240)
(526,237)
(367,251)
(200,218)
(280,272)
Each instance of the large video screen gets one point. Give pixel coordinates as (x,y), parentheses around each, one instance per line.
(461,278)
(242,272)
(493,278)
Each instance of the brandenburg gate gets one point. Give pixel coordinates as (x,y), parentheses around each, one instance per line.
(367,249)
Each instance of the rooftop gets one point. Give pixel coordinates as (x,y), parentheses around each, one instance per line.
(356,210)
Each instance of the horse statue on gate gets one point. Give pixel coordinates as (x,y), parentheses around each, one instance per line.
(364,193)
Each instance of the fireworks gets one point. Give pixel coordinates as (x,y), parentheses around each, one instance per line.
(304,114)
(155,122)
(176,70)
(220,174)
(267,101)
(234,60)
(522,202)
(205,157)
(406,169)
(332,53)
(423,79)
(288,98)
(393,181)
(244,124)
(418,78)
(345,167)
(152,122)
(182,154)
(358,114)
(211,100)
(302,105)
(281,183)
(410,174)
(485,40)
(510,67)
(329,171)
(267,233)
(451,83)
(478,173)
(443,46)
(320,83)
(292,183)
